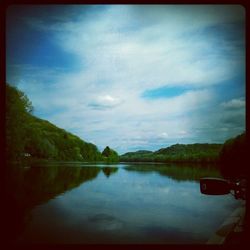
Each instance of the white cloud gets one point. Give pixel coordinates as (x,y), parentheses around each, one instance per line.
(151,56)
(234,104)
(183,132)
(104,102)
(164,135)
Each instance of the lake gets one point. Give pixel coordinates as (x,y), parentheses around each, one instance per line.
(120,203)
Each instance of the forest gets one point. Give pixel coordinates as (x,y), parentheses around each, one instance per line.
(177,153)
(30,137)
(231,157)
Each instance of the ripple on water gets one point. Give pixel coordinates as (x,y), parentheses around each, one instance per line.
(105,222)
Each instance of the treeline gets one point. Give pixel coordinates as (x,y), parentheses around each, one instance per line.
(177,153)
(234,159)
(231,157)
(28,136)
(47,141)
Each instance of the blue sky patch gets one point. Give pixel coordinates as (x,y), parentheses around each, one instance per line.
(164,92)
(27,45)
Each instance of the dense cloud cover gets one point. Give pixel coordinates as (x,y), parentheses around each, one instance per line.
(132,77)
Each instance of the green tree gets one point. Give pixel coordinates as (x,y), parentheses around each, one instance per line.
(107,152)
(26,133)
(109,155)
(233,157)
(18,108)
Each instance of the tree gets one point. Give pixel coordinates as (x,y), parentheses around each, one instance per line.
(233,157)
(107,152)
(110,155)
(26,133)
(18,108)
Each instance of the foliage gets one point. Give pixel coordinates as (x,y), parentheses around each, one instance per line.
(177,153)
(50,142)
(110,155)
(27,134)
(18,108)
(233,157)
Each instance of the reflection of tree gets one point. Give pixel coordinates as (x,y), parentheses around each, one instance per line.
(109,170)
(179,172)
(26,188)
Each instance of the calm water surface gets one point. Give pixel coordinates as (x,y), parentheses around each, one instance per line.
(123,203)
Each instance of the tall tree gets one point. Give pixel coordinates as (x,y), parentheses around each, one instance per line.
(110,155)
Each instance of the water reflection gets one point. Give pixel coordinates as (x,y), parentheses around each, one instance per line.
(109,170)
(134,203)
(31,186)
(178,172)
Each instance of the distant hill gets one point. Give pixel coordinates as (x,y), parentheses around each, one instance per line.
(140,155)
(136,153)
(197,152)
(231,156)
(189,148)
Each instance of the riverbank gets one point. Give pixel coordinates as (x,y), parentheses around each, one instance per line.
(232,230)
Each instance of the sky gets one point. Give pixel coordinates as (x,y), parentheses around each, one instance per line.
(133,77)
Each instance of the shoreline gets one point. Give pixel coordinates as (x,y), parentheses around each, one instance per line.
(231,230)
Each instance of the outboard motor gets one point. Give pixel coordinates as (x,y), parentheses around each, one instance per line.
(219,186)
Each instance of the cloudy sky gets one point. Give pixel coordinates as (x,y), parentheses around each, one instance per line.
(132,76)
